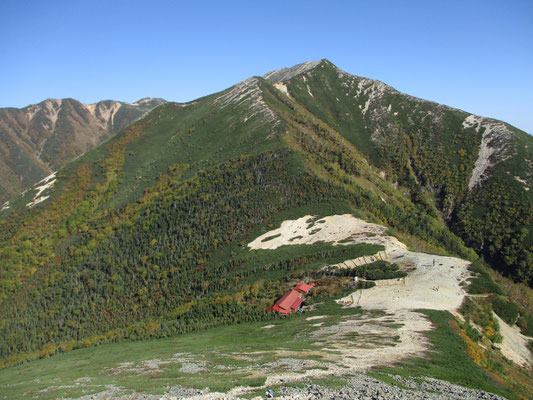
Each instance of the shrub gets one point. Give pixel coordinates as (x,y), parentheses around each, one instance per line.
(506,310)
(525,322)
(366,285)
(373,271)
(483,284)
(471,332)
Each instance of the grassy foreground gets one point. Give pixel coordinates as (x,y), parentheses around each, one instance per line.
(225,357)
(209,358)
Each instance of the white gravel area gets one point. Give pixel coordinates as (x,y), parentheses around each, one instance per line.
(434,282)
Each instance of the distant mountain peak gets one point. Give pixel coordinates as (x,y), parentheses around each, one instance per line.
(146,100)
(39,138)
(284,74)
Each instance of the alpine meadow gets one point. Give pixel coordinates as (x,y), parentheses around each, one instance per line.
(143,262)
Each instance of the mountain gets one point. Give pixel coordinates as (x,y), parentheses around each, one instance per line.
(147,235)
(39,139)
(476,171)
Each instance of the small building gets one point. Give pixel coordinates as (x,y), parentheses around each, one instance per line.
(303,287)
(293,299)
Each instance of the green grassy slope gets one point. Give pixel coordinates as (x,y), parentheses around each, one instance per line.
(229,356)
(145,235)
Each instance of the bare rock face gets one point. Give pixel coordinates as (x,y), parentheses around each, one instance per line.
(40,138)
(494,147)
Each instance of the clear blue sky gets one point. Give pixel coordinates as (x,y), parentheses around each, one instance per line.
(473,55)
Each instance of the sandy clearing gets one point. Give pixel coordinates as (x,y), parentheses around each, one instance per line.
(434,282)
(492,149)
(380,340)
(332,229)
(282,88)
(377,341)
(514,345)
(365,108)
(36,201)
(429,286)
(472,121)
(524,182)
(309,91)
(48,178)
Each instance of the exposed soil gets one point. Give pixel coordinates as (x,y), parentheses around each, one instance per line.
(514,345)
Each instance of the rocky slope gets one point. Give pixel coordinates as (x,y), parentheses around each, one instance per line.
(41,138)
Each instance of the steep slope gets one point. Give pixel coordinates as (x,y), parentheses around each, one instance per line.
(145,235)
(477,171)
(41,138)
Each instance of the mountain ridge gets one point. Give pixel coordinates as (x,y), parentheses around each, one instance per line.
(40,138)
(392,137)
(495,132)
(145,235)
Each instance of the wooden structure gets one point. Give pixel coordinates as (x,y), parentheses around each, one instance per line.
(293,299)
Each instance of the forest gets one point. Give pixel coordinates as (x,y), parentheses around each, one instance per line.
(146,235)
(175,261)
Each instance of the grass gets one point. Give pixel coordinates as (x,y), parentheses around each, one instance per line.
(332,382)
(483,284)
(175,134)
(506,310)
(268,238)
(236,347)
(449,360)
(387,378)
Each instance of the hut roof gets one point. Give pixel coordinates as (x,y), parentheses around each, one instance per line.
(304,287)
(293,299)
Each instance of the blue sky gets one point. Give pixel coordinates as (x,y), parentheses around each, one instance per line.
(473,55)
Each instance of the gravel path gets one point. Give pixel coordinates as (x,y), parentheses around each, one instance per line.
(360,387)
(365,387)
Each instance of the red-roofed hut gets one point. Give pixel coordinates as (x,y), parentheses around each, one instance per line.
(293,299)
